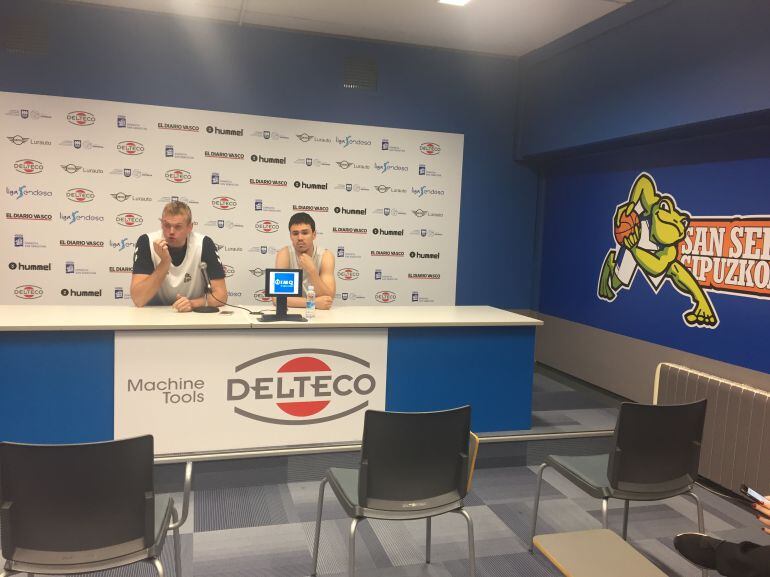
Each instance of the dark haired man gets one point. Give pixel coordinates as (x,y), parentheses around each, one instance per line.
(169,272)
(317,264)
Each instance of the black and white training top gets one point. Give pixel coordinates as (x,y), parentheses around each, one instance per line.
(184,275)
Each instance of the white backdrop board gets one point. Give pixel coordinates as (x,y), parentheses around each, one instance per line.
(245,389)
(82,179)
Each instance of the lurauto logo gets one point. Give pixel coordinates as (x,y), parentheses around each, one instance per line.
(320,383)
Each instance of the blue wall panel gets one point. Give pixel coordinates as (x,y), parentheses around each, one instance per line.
(671,63)
(489,368)
(57,387)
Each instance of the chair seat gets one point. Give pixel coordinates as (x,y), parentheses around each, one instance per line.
(589,472)
(344,483)
(52,563)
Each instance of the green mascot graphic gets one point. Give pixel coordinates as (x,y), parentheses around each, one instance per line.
(648,229)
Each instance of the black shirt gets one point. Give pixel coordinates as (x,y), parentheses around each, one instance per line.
(143,257)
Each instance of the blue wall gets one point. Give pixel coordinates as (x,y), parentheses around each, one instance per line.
(146,58)
(649,66)
(676,88)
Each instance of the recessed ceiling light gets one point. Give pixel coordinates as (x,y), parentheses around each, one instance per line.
(454,2)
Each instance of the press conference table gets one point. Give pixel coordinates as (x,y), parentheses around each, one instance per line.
(57,383)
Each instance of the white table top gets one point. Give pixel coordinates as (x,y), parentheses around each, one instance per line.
(81,318)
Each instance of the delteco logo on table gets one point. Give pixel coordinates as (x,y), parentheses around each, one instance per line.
(312,386)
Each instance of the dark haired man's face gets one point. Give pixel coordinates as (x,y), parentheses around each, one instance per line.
(302,237)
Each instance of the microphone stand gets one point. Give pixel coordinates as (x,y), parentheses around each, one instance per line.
(206,290)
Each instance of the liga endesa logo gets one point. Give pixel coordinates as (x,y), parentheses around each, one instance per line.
(301,387)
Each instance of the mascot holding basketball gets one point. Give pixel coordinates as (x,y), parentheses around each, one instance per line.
(648,229)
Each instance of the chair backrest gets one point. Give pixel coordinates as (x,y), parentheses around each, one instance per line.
(57,500)
(657,447)
(414,461)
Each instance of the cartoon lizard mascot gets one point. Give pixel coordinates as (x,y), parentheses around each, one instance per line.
(651,244)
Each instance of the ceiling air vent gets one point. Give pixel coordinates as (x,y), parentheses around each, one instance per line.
(24,35)
(360,74)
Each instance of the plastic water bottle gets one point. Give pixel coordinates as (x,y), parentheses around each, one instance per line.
(310,302)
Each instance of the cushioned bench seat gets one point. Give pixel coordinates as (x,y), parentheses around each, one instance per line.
(595,553)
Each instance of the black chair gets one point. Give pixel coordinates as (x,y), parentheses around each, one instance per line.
(413,466)
(82,508)
(655,456)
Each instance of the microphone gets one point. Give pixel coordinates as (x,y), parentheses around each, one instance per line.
(206,279)
(206,290)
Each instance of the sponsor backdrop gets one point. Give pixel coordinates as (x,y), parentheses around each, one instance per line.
(254,392)
(707,224)
(82,179)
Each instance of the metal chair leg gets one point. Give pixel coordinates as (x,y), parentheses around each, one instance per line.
(701,522)
(177,543)
(604,512)
(699,507)
(352,548)
(471,542)
(625,520)
(158,566)
(427,540)
(537,504)
(318,526)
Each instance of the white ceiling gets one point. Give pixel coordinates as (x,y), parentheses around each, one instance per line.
(503,27)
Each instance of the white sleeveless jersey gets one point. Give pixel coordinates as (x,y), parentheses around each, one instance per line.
(185,279)
(317,256)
